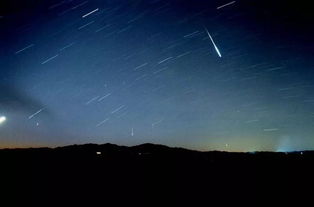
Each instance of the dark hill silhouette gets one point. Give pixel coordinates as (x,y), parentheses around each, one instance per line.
(151,175)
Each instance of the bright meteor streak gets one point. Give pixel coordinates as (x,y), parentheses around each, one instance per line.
(227,4)
(89,13)
(216,48)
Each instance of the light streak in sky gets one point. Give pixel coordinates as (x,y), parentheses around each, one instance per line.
(89,13)
(270,129)
(227,4)
(49,59)
(216,48)
(34,114)
(25,48)
(102,122)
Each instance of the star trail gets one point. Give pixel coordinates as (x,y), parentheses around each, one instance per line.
(206,75)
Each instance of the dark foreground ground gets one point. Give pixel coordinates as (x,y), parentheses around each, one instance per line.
(153,175)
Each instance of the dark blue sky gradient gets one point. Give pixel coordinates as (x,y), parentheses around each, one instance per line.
(149,67)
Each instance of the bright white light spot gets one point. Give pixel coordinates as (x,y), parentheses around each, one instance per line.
(2,119)
(98,153)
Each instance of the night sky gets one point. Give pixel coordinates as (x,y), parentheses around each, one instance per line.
(138,71)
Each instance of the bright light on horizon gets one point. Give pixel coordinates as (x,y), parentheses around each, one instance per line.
(2,119)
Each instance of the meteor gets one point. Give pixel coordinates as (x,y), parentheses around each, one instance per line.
(216,48)
(34,114)
(227,4)
(89,13)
